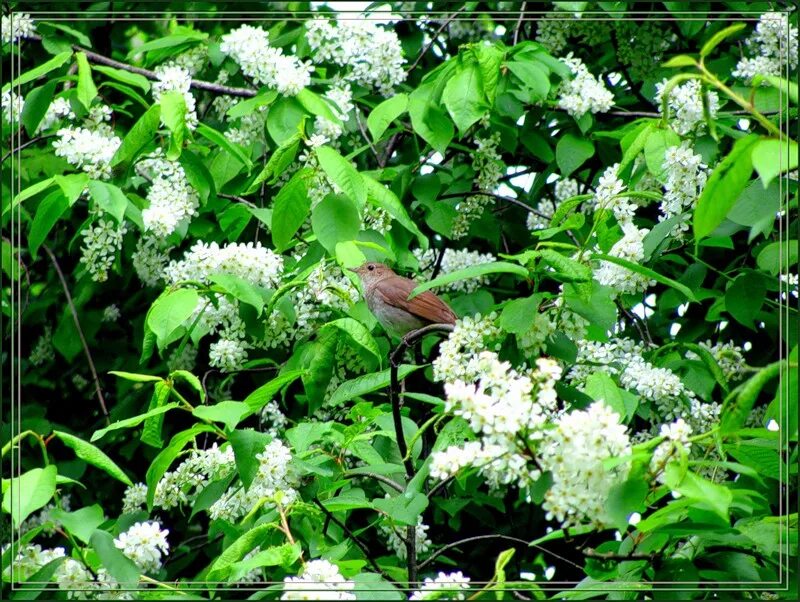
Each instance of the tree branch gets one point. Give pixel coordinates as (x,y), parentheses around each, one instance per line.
(14,151)
(498,197)
(519,23)
(433,39)
(378,477)
(86,351)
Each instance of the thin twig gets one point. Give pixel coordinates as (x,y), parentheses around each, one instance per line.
(387,154)
(498,197)
(519,22)
(378,477)
(99,59)
(411,554)
(25,145)
(433,39)
(74,312)
(592,553)
(364,134)
(437,267)
(440,485)
(238,199)
(362,546)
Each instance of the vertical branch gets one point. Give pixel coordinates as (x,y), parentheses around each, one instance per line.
(411,554)
(74,313)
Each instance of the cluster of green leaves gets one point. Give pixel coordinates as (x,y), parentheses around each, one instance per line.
(722,284)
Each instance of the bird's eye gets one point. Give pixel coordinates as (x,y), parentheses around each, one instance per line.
(370,267)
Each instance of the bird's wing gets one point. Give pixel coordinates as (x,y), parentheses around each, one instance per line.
(425,305)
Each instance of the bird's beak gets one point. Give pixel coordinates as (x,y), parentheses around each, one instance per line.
(354,270)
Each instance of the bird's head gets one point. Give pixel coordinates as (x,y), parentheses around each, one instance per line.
(372,272)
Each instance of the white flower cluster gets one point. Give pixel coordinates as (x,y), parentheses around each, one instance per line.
(28,560)
(144,543)
(373,54)
(555,30)
(641,46)
(376,218)
(257,265)
(686,177)
(395,541)
(43,351)
(470,336)
(90,150)
(773,45)
(327,290)
(181,486)
(445,586)
(320,580)
(509,411)
(686,105)
(172,78)
(340,99)
(11,106)
(101,241)
(584,93)
(617,277)
(274,481)
(44,518)
(489,168)
(565,188)
(623,358)
(574,453)
(111,313)
(16,26)
(790,285)
(185,360)
(729,356)
(452,261)
(172,199)
(609,194)
(273,421)
(149,261)
(59,109)
(192,60)
(677,436)
(264,64)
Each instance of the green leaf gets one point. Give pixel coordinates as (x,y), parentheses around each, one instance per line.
(119,566)
(151,432)
(773,157)
(126,77)
(626,498)
(367,383)
(342,173)
(702,492)
(170,41)
(230,413)
(32,587)
(221,141)
(285,119)
(247,107)
(47,214)
(87,91)
(572,152)
(566,268)
(264,394)
(37,72)
(770,260)
(133,421)
(738,406)
(29,492)
(681,60)
(140,135)
(428,119)
(170,311)
(240,289)
(518,315)
(335,219)
(164,459)
(655,148)
(744,298)
(246,444)
(633,143)
(36,104)
(277,163)
(109,198)
(788,88)
(284,555)
(358,334)
(173,114)
(404,508)
(725,184)
(72,185)
(640,269)
(93,455)
(137,378)
(533,75)
(80,523)
(490,58)
(464,98)
(385,113)
(290,211)
(315,105)
(714,40)
(247,542)
(474,271)
(600,387)
(381,196)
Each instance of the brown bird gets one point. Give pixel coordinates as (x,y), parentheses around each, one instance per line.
(387,294)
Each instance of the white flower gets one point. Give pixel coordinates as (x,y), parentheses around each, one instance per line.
(273,419)
(395,538)
(101,241)
(320,580)
(583,93)
(172,78)
(445,586)
(144,543)
(90,150)
(229,355)
(59,109)
(11,106)
(489,168)
(452,261)
(134,498)
(172,199)
(630,247)
(111,313)
(16,26)
(686,106)
(373,54)
(609,195)
(249,47)
(574,453)
(686,177)
(28,560)
(470,336)
(185,360)
(191,61)
(149,260)
(729,356)
(773,44)
(182,485)
(677,436)
(43,351)
(73,577)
